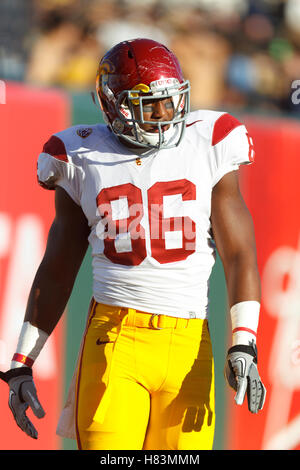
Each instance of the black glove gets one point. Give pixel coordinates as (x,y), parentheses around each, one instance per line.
(22,393)
(242,375)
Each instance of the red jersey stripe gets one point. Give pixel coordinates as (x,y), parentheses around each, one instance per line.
(56,148)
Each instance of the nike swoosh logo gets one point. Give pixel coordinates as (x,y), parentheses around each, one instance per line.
(11,394)
(102,342)
(242,360)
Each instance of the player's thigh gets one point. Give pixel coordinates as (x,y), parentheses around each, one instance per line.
(183,410)
(178,424)
(121,419)
(109,402)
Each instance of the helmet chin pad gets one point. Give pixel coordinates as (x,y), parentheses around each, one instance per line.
(156,139)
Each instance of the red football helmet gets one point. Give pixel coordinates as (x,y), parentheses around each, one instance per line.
(135,71)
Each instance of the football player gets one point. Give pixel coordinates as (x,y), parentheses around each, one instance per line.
(155,192)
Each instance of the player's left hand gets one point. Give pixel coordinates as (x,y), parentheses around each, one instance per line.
(242,375)
(22,394)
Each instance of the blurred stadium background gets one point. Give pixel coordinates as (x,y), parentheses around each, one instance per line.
(242,56)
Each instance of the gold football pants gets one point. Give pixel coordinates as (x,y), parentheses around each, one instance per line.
(140,387)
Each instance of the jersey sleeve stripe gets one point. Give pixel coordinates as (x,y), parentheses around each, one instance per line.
(223,126)
(56,148)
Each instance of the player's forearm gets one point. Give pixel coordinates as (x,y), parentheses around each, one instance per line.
(242,279)
(48,298)
(244,294)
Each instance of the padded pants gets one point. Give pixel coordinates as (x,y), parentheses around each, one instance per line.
(139,387)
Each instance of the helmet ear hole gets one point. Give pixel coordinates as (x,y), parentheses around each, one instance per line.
(130,55)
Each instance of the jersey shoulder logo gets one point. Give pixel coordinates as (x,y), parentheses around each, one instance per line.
(84,132)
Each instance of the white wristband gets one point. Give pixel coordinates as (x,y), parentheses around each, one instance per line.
(30,344)
(244,321)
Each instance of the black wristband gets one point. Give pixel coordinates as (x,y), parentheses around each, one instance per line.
(17,372)
(245,348)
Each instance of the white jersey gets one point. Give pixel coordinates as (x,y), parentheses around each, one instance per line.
(149,213)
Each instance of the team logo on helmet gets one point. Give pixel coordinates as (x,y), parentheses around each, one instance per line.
(102,76)
(141,87)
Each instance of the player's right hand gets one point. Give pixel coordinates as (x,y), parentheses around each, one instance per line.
(242,375)
(22,394)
